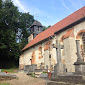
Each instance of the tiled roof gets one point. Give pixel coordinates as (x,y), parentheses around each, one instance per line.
(58,26)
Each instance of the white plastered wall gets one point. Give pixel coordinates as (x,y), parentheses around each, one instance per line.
(27,56)
(68,57)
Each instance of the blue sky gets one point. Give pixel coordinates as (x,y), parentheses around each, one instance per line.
(49,12)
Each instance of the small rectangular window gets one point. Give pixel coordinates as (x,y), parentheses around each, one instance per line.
(38,28)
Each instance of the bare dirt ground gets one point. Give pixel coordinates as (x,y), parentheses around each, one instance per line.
(24,79)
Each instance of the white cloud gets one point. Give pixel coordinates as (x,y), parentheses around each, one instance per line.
(32,10)
(63,3)
(38,14)
(76,4)
(18,3)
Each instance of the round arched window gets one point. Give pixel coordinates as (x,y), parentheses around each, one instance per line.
(83,41)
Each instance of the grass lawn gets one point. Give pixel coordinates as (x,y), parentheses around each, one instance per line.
(11,70)
(4,84)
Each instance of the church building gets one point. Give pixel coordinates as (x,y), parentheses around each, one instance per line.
(43,46)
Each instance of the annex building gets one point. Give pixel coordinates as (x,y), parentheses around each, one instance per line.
(42,48)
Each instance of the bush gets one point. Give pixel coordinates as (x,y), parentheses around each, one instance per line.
(44,72)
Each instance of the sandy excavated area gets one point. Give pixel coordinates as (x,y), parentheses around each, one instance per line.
(24,79)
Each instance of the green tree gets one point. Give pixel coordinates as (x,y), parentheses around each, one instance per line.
(14,25)
(8,28)
(25,20)
(44,28)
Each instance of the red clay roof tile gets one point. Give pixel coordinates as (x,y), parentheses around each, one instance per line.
(58,26)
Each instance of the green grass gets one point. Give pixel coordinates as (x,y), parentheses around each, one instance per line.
(33,75)
(11,70)
(4,84)
(44,72)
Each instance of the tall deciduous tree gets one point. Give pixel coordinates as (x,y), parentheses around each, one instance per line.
(44,28)
(11,22)
(25,20)
(8,28)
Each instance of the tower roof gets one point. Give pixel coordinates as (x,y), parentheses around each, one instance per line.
(37,23)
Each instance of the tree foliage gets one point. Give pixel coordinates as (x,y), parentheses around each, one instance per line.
(25,20)
(44,28)
(13,27)
(14,32)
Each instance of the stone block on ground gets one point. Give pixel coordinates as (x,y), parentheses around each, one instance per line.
(58,83)
(30,68)
(76,79)
(38,70)
(6,76)
(43,75)
(37,74)
(80,69)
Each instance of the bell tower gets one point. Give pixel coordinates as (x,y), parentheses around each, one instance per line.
(35,29)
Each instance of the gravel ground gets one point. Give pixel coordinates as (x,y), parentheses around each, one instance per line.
(24,79)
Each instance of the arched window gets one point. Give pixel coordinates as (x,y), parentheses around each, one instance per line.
(83,42)
(81,36)
(40,52)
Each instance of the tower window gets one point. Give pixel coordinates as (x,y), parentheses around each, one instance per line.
(38,28)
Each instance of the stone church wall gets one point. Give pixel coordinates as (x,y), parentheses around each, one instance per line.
(79,27)
(69,43)
(68,53)
(27,57)
(21,62)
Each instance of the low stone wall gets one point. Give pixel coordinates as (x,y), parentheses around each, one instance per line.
(67,80)
(6,76)
(30,68)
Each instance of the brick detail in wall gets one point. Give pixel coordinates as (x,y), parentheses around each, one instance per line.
(69,33)
(40,57)
(79,33)
(21,66)
(40,48)
(61,40)
(40,52)
(33,58)
(47,45)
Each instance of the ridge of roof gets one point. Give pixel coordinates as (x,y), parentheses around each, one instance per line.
(77,15)
(36,23)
